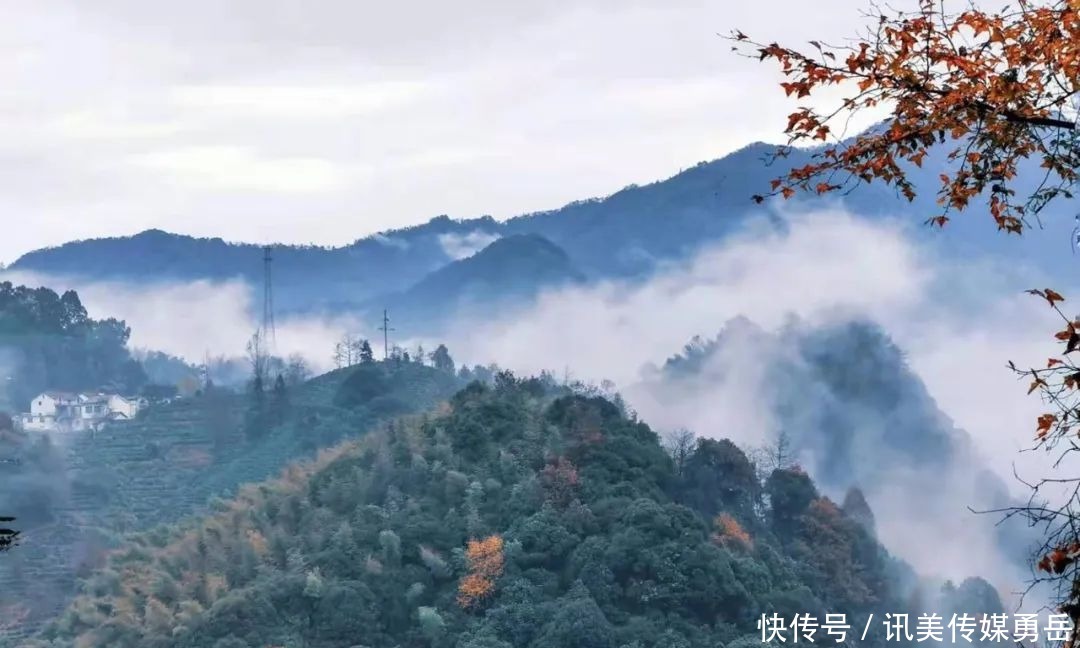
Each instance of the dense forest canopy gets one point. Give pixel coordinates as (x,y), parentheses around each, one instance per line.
(519,514)
(78,497)
(47,341)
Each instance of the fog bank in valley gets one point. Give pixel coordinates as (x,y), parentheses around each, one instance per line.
(954,325)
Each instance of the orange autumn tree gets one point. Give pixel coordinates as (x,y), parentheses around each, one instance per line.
(993,90)
(561,480)
(486,560)
(729,533)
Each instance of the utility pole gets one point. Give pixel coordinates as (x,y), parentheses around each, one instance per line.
(269,334)
(385,328)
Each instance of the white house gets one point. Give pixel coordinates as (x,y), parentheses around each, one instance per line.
(63,412)
(91,410)
(125,408)
(47,409)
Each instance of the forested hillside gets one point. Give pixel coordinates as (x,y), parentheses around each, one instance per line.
(521,515)
(843,393)
(47,341)
(842,400)
(77,500)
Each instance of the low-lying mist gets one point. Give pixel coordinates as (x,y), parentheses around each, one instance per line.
(194,320)
(956,323)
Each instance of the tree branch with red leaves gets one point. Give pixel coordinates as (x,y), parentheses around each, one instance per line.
(993,90)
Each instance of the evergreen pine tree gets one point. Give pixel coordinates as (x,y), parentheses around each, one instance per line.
(441,359)
(366,355)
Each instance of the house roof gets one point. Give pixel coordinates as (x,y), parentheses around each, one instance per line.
(85,396)
(58,395)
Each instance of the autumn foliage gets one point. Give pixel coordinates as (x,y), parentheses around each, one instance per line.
(994,88)
(1059,385)
(486,562)
(560,479)
(990,89)
(1059,559)
(730,534)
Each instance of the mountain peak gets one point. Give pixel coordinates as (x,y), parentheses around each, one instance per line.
(511,271)
(522,243)
(155,233)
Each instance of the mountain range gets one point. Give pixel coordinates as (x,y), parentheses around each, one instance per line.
(563,476)
(433,270)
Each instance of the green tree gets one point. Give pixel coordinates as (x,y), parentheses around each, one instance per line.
(431,623)
(366,355)
(790,493)
(51,343)
(341,355)
(8,536)
(717,476)
(297,370)
(578,622)
(441,359)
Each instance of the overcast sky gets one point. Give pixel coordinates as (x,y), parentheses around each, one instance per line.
(325,120)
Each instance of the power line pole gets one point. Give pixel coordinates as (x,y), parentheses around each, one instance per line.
(385,328)
(269,334)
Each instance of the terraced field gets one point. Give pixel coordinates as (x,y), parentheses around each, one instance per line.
(171,462)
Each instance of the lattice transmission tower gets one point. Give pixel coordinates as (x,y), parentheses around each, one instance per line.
(269,334)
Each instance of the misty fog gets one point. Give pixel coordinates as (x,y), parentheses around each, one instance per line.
(823,268)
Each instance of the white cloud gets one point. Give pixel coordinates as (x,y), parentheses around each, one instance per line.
(300,102)
(460,246)
(828,267)
(240,169)
(92,125)
(392,241)
(825,267)
(122,115)
(198,319)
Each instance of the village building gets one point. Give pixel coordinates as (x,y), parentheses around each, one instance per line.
(54,411)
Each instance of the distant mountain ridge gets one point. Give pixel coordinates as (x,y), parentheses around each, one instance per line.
(509,272)
(627,234)
(369,266)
